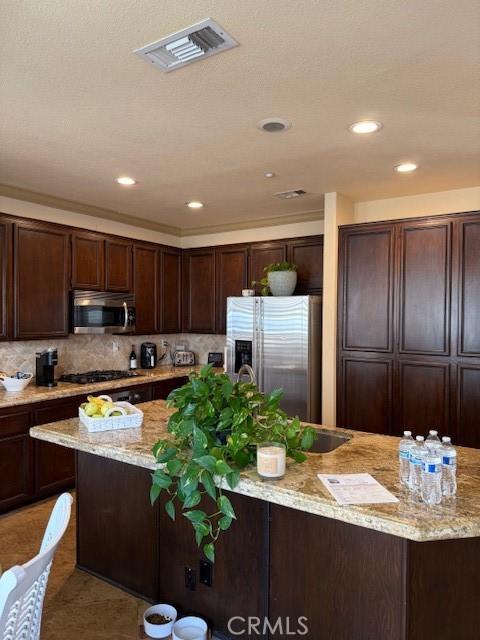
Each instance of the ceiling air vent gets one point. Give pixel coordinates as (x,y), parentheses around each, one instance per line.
(288,195)
(201,40)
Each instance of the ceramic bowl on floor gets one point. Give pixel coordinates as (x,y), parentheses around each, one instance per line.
(190,628)
(159,630)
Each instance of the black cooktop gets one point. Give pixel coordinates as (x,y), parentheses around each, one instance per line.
(97,376)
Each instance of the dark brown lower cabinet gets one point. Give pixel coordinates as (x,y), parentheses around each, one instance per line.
(162,389)
(54,465)
(16,478)
(281,570)
(117,528)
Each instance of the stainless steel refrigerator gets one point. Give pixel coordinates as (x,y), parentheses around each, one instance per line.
(280,338)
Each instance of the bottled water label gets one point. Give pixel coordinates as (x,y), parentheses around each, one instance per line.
(405,454)
(449,461)
(416,460)
(431,467)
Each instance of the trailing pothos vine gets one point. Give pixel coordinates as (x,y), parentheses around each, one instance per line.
(214,434)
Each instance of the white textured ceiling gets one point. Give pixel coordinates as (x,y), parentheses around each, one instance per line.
(79,108)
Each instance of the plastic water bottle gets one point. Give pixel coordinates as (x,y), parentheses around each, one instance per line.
(404,448)
(449,467)
(417,454)
(433,441)
(432,477)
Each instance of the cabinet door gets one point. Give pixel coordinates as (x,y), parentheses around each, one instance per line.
(145,270)
(42,275)
(469,286)
(16,486)
(423,400)
(162,388)
(425,287)
(365,394)
(54,465)
(307,254)
(365,310)
(88,261)
(171,290)
(118,265)
(239,578)
(199,291)
(5,278)
(231,277)
(468,405)
(263,254)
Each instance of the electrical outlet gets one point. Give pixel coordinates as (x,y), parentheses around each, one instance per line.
(164,343)
(115,347)
(206,573)
(190,579)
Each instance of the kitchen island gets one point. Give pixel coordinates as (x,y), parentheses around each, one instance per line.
(374,572)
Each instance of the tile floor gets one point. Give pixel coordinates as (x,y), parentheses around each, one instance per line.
(77,605)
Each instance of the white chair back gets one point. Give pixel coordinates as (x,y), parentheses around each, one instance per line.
(22,589)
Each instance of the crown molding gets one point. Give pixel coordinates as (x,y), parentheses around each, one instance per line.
(294,218)
(87,209)
(46,200)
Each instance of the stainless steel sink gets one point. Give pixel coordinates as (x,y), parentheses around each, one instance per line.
(325,442)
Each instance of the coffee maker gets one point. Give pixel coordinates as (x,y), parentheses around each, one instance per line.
(148,355)
(45,367)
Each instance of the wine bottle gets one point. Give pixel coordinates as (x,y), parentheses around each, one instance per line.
(133,358)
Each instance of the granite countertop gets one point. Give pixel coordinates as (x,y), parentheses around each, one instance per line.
(300,488)
(66,389)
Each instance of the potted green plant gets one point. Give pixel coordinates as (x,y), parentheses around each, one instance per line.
(213,435)
(280,279)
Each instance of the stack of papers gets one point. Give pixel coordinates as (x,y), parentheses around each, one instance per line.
(356,488)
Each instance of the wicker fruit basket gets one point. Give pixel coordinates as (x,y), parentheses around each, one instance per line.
(131,418)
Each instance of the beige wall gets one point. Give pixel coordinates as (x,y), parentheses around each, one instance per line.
(424,204)
(339,211)
(41,212)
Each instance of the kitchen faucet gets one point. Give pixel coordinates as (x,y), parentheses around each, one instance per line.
(246,369)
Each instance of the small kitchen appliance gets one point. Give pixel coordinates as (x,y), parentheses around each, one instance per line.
(45,362)
(183,358)
(103,312)
(215,358)
(148,355)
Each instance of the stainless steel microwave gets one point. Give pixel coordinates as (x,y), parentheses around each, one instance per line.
(103,312)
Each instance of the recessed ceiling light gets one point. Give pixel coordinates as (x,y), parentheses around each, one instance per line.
(406,167)
(195,204)
(126,181)
(274,125)
(365,126)
(269,174)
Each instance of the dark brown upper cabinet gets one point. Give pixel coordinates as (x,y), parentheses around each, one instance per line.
(146,273)
(5,278)
(468,320)
(88,261)
(425,270)
(366,288)
(118,265)
(170,281)
(41,279)
(261,255)
(198,276)
(307,254)
(231,268)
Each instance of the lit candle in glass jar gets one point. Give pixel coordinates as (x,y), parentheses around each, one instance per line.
(271,460)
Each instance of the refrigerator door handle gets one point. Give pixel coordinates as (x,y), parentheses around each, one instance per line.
(256,336)
(261,382)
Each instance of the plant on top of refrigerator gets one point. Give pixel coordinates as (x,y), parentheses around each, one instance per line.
(213,435)
(275,266)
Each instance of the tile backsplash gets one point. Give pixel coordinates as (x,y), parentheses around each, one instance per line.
(79,353)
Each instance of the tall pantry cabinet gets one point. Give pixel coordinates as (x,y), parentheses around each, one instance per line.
(409,326)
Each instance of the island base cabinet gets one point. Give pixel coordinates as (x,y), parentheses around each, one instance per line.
(343,582)
(353,583)
(117,531)
(239,576)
